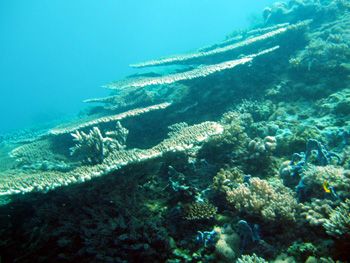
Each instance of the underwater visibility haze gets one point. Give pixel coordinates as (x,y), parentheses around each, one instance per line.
(175,131)
(54,54)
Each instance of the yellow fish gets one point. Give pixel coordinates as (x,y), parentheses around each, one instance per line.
(326,187)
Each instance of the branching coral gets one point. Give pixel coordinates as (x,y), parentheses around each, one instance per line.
(93,147)
(250,259)
(200,210)
(338,224)
(90,146)
(260,198)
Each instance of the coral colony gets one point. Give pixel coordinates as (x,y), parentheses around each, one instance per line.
(238,152)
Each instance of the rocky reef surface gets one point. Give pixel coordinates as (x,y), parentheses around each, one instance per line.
(238,152)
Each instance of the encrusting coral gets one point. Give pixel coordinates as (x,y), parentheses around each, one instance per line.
(316,211)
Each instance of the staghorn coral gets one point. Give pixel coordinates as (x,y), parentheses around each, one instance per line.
(261,198)
(200,210)
(188,75)
(106,119)
(89,146)
(181,141)
(338,223)
(92,147)
(250,259)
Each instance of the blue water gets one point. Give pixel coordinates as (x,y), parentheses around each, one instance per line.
(55,53)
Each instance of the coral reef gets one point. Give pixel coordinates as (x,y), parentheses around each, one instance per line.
(200,210)
(260,198)
(250,259)
(227,245)
(318,179)
(227,179)
(189,75)
(239,158)
(316,211)
(106,119)
(185,139)
(338,224)
(93,148)
(196,56)
(302,251)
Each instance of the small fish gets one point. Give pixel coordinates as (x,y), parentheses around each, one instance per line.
(326,187)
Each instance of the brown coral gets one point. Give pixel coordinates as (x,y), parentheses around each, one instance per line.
(200,210)
(316,211)
(259,197)
(338,224)
(226,179)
